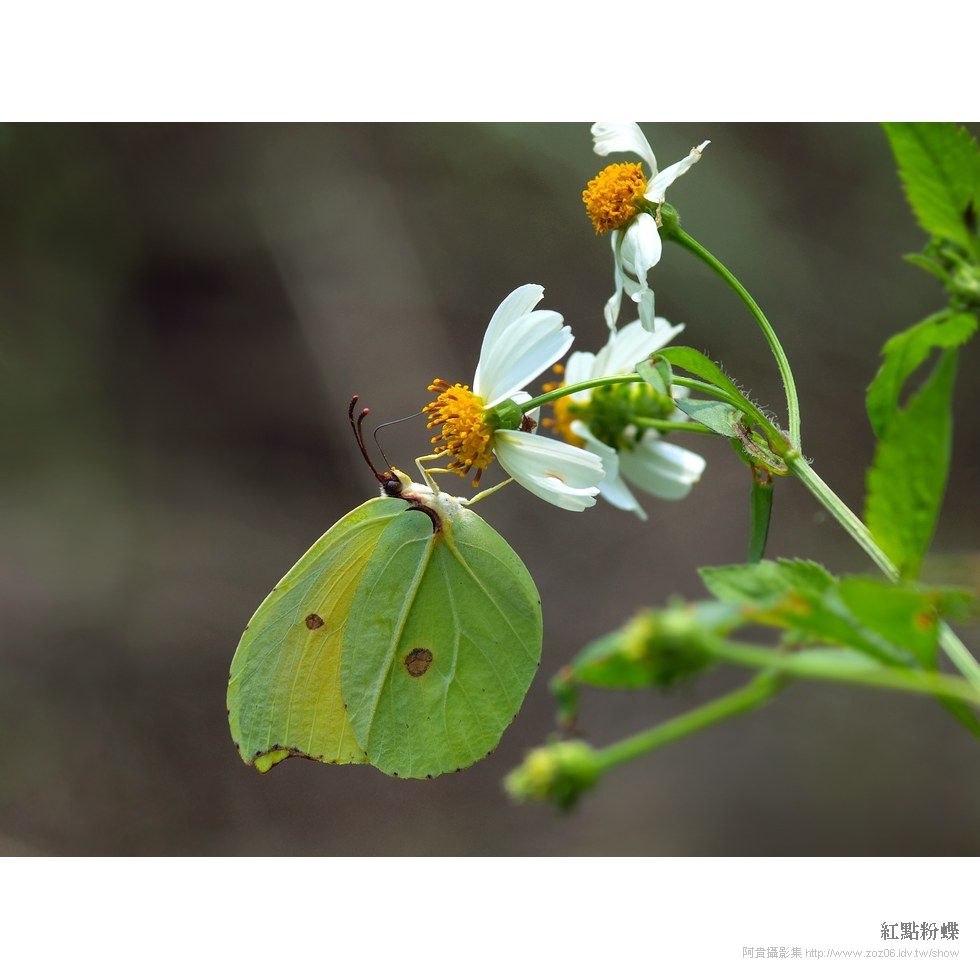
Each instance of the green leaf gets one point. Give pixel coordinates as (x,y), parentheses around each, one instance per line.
(902,615)
(697,363)
(656,372)
(962,713)
(908,477)
(764,581)
(895,624)
(939,164)
(905,352)
(717,416)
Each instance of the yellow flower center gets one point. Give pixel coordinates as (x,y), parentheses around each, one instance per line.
(610,195)
(466,435)
(565,412)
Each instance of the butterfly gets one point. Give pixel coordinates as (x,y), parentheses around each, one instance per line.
(406,637)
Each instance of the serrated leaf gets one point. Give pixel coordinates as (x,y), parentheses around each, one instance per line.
(928,264)
(906,351)
(954,603)
(901,615)
(717,416)
(939,164)
(698,364)
(895,624)
(906,482)
(764,581)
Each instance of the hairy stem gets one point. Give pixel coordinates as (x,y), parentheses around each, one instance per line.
(682,238)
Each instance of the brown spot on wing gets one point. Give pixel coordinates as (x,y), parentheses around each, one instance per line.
(418,661)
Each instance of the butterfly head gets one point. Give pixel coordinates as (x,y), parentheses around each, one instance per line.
(393,482)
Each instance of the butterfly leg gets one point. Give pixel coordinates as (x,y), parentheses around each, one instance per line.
(427,471)
(486,493)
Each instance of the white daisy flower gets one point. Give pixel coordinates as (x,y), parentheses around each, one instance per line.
(623,200)
(484,422)
(601,420)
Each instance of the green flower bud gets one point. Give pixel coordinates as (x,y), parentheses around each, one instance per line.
(656,648)
(557,773)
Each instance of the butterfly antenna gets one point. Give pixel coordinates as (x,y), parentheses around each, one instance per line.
(392,422)
(357,426)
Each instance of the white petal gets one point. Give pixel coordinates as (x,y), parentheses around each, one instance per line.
(523,349)
(563,475)
(630,345)
(613,488)
(635,342)
(657,188)
(611,310)
(624,262)
(662,323)
(623,138)
(662,468)
(578,368)
(514,307)
(522,300)
(641,249)
(644,303)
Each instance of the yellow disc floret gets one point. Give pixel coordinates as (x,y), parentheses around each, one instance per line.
(466,433)
(609,197)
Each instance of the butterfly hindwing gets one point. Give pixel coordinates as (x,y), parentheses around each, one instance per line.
(443,642)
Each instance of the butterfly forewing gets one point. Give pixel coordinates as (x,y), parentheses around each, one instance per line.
(284,695)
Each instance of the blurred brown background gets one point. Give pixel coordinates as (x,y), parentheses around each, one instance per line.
(185,312)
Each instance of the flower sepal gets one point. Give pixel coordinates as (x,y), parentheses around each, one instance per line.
(669,221)
(505,415)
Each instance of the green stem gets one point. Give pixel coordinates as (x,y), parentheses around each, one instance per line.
(827,665)
(844,516)
(677,234)
(622,379)
(776,671)
(757,692)
(695,384)
(563,390)
(955,648)
(666,425)
(958,653)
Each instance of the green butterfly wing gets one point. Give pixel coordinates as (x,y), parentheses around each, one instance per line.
(443,641)
(284,694)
